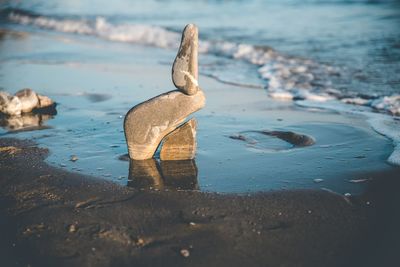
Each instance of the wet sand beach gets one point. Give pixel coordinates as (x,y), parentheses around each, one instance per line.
(298,144)
(51,217)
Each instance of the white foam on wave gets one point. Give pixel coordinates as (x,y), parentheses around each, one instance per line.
(383,124)
(299,94)
(287,78)
(388,103)
(134,33)
(390,128)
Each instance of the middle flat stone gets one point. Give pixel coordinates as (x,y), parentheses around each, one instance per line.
(148,123)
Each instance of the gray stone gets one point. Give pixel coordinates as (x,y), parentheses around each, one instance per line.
(185,67)
(148,123)
(181,143)
(44,101)
(10,105)
(29,100)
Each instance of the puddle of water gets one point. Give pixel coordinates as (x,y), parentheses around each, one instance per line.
(262,162)
(89,125)
(163,175)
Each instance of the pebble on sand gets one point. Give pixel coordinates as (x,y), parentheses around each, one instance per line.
(72,228)
(140,242)
(185,253)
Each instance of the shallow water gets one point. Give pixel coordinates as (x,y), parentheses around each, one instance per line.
(98,60)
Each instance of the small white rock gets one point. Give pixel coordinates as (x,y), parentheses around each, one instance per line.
(185,253)
(72,228)
(10,105)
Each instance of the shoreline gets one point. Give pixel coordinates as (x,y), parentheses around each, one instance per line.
(53,217)
(89,122)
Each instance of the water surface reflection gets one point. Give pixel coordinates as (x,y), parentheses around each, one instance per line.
(171,174)
(25,122)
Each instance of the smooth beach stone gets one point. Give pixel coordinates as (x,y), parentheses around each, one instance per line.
(10,105)
(44,101)
(149,122)
(29,99)
(185,67)
(181,143)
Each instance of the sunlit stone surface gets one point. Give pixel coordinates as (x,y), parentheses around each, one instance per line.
(10,105)
(181,143)
(29,100)
(149,122)
(184,69)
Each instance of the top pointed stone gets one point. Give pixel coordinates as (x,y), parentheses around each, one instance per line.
(185,67)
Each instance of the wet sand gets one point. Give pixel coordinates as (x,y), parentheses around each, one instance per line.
(51,217)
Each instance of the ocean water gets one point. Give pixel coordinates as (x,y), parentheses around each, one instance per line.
(328,69)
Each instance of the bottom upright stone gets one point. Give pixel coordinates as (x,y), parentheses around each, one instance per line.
(181,143)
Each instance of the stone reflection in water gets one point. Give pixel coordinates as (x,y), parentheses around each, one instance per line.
(145,174)
(180,174)
(24,122)
(167,174)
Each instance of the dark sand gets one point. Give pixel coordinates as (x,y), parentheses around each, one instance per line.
(50,217)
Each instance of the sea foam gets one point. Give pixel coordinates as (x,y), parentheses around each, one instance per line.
(386,125)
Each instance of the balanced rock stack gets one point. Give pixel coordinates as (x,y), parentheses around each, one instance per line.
(162,118)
